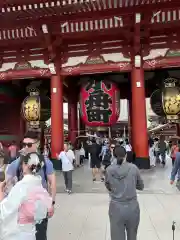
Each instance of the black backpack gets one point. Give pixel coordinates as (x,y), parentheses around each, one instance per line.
(107,158)
(19,171)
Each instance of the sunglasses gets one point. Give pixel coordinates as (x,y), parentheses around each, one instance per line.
(112,147)
(29,145)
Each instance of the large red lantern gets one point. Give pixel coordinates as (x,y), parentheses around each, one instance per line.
(99,103)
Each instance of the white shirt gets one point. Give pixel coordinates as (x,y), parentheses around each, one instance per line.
(128,148)
(66,159)
(82,152)
(70,155)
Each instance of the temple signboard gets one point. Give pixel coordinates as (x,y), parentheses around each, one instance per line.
(95,60)
(22,66)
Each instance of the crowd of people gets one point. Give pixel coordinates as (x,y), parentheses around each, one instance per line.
(113,162)
(28,182)
(160,150)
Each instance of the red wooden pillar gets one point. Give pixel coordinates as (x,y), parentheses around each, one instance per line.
(139,122)
(130,119)
(73,118)
(57,125)
(69,121)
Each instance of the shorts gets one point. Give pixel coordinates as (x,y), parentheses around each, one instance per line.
(95,163)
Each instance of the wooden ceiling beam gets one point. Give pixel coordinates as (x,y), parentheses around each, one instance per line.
(161,39)
(100,51)
(83,38)
(10,55)
(96,34)
(29,58)
(91,46)
(161,46)
(9,21)
(11,3)
(28,2)
(172,25)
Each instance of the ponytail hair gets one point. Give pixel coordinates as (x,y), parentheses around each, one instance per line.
(120,154)
(34,161)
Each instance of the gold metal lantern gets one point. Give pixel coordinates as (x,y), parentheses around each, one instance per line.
(36,108)
(171,100)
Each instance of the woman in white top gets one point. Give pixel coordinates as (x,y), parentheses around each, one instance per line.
(152,157)
(27,203)
(129,151)
(82,154)
(67,157)
(77,156)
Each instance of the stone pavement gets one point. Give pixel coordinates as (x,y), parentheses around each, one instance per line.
(84,214)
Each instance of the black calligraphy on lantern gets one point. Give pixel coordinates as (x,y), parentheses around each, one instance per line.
(96,85)
(98,106)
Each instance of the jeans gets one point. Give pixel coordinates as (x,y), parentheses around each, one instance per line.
(163,157)
(81,159)
(68,180)
(41,230)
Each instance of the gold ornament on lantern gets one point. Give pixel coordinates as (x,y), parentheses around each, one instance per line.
(35,108)
(171,99)
(101,129)
(31,108)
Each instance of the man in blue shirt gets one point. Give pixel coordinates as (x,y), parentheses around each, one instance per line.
(176,170)
(31,144)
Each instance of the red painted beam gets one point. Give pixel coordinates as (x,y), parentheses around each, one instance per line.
(104,34)
(94,45)
(99,68)
(158,63)
(145,8)
(31,73)
(164,26)
(97,34)
(13,45)
(18,58)
(11,3)
(100,51)
(162,46)
(157,39)
(27,2)
(23,42)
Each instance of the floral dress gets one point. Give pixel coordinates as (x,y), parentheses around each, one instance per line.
(26,204)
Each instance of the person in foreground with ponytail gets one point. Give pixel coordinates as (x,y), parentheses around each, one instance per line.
(122,179)
(27,203)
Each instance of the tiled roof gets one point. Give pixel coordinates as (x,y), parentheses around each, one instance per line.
(24,19)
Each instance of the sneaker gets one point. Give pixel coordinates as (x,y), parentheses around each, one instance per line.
(94,179)
(69,192)
(102,179)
